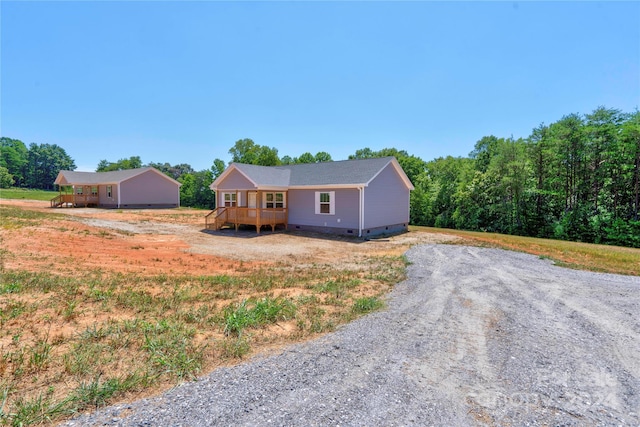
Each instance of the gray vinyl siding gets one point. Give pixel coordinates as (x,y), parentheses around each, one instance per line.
(235,181)
(302,209)
(108,202)
(148,189)
(386,200)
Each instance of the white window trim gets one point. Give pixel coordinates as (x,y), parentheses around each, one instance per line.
(284,198)
(332,202)
(232,194)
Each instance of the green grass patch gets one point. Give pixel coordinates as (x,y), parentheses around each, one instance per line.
(15,217)
(27,194)
(253,313)
(366,305)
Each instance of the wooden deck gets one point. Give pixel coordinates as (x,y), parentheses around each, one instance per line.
(234,217)
(74,201)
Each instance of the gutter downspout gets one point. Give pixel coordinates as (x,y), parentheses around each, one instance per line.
(118,195)
(361,216)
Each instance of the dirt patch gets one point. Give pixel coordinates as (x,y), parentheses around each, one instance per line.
(174,241)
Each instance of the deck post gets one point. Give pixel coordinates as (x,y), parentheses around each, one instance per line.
(258,211)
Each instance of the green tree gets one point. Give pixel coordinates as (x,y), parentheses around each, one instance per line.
(195,191)
(203,196)
(14,156)
(568,137)
(484,150)
(187,190)
(45,161)
(247,151)
(419,201)
(217,168)
(363,153)
(133,162)
(173,171)
(509,169)
(6,179)
(630,150)
(448,175)
(287,160)
(323,156)
(306,158)
(603,159)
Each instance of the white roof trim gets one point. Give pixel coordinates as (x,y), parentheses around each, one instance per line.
(399,171)
(227,171)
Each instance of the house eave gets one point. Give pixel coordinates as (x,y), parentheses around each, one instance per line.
(326,186)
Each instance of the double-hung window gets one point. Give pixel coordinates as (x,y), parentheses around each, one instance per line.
(325,202)
(229,199)
(274,200)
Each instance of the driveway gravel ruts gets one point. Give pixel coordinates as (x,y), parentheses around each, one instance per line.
(474,336)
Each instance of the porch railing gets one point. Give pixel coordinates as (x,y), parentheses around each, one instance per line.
(74,200)
(236,216)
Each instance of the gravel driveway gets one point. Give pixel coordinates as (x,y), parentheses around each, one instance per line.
(472,337)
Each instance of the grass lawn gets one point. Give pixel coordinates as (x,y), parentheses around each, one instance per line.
(26,193)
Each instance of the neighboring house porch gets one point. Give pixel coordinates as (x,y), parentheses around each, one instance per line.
(80,196)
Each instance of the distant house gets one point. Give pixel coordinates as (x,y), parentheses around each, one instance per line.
(353,197)
(131,188)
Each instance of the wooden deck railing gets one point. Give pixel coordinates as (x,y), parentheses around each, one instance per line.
(235,216)
(74,200)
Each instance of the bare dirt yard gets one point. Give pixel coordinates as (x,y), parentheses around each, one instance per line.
(174,241)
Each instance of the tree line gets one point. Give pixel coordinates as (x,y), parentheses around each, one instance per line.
(575,179)
(36,166)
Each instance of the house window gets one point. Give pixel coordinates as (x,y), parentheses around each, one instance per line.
(274,200)
(79,191)
(325,202)
(229,199)
(109,191)
(94,191)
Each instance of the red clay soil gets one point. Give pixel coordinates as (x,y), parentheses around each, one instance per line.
(64,244)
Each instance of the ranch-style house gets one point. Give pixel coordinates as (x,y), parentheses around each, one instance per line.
(361,198)
(130,188)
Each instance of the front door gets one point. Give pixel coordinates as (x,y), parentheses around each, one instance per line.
(251,203)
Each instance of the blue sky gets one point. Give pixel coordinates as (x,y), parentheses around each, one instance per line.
(180,82)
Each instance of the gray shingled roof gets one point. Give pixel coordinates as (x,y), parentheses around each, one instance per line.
(265,175)
(98,178)
(337,173)
(345,172)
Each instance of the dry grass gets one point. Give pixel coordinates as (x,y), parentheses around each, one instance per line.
(583,256)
